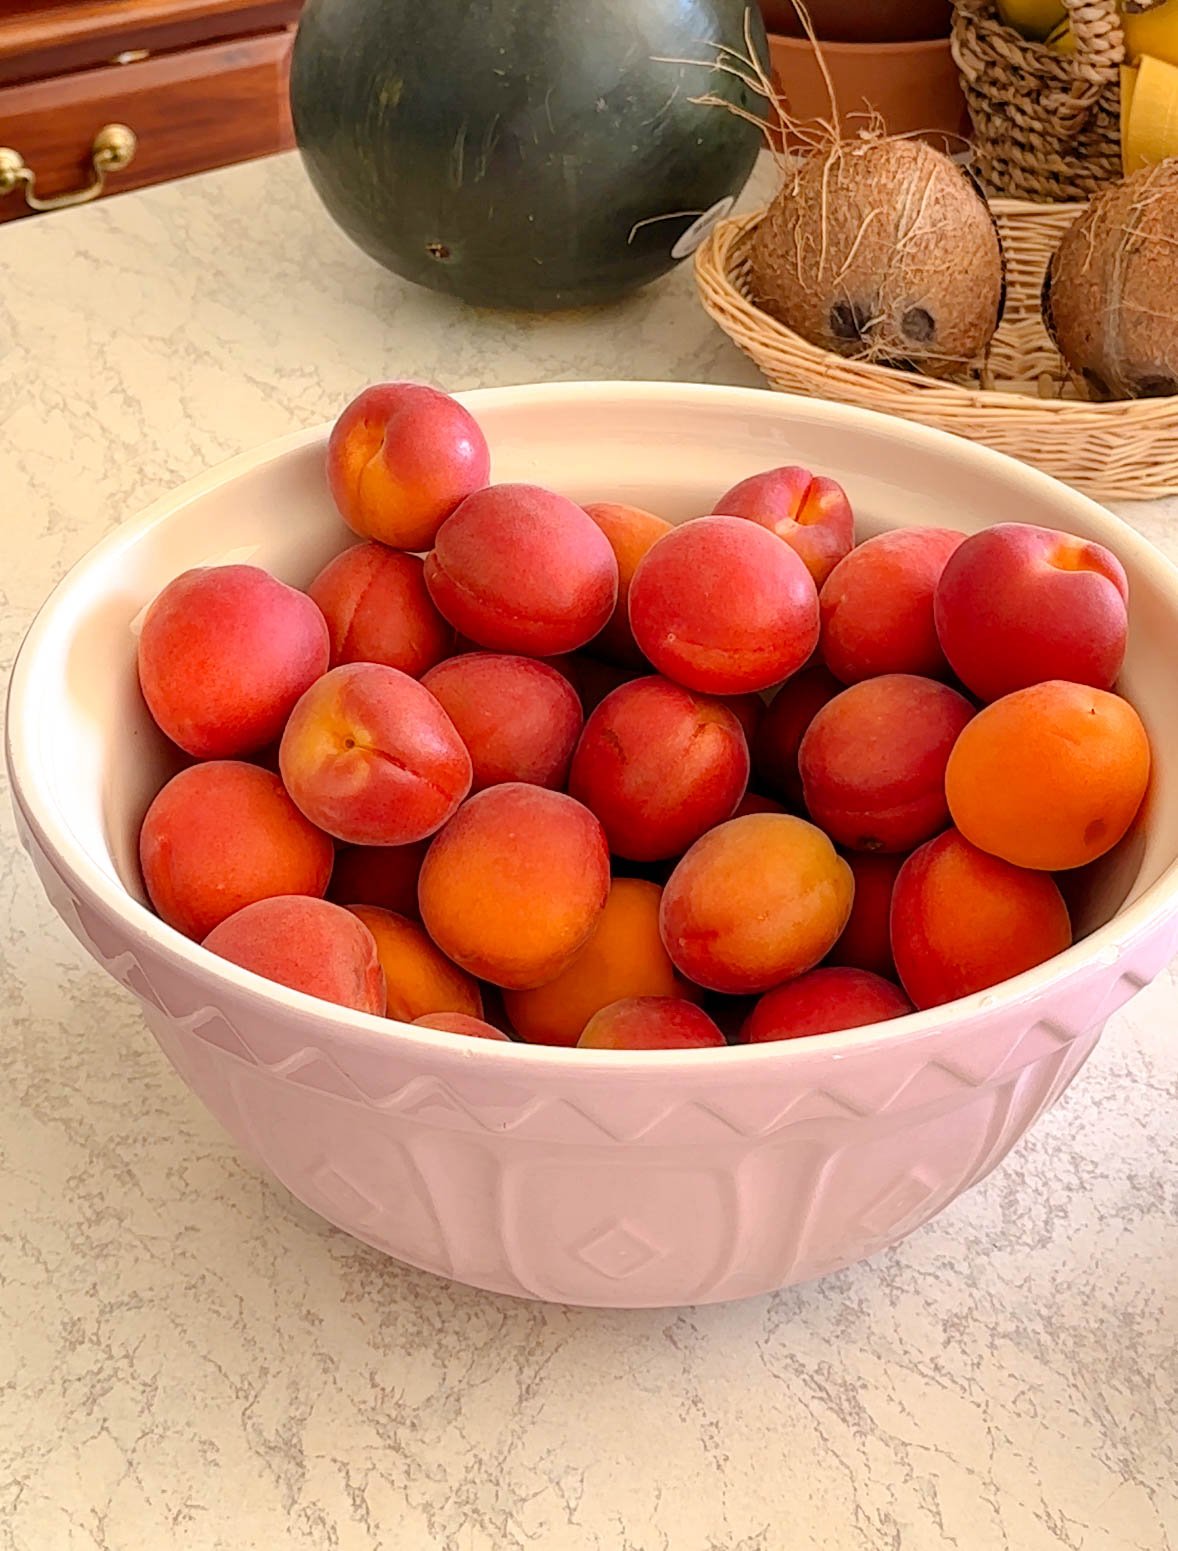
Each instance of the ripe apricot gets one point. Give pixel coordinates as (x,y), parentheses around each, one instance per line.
(377,609)
(399,460)
(513,886)
(723,607)
(866,942)
(1018,605)
(631,532)
(220,836)
(461,1023)
(809,512)
(823,1001)
(877,606)
(963,921)
(873,761)
(1050,776)
(659,766)
(779,735)
(370,756)
(378,875)
(521,569)
(519,718)
(224,653)
(307,944)
(623,957)
(650,1023)
(754,902)
(419,978)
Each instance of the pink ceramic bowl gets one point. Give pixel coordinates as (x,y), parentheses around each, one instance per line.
(606,1178)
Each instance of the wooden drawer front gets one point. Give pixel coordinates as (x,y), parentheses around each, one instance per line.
(192,110)
(39,40)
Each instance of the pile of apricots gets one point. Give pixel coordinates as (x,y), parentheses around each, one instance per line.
(582,777)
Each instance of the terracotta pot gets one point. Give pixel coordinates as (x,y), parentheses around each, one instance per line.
(862,21)
(913,87)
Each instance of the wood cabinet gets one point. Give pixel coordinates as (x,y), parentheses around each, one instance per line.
(134,92)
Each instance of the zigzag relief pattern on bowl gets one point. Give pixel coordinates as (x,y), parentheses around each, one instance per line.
(487,1210)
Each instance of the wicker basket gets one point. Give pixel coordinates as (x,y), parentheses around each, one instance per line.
(1046,125)
(1018,403)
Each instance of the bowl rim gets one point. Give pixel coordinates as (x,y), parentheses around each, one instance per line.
(343,1026)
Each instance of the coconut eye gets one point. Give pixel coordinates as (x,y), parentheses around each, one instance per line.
(917,323)
(848,320)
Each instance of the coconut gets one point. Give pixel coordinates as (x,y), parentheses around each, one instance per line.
(882,250)
(1110,300)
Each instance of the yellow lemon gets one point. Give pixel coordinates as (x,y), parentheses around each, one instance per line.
(1033,18)
(1146,32)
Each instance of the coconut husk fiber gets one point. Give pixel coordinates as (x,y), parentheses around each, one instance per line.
(1110,300)
(882,250)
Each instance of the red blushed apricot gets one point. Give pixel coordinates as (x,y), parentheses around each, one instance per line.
(522,569)
(631,532)
(650,1023)
(307,944)
(222,835)
(822,1002)
(866,942)
(624,957)
(377,609)
(963,921)
(513,886)
(371,757)
(752,802)
(877,606)
(224,653)
(1049,777)
(460,1023)
(519,718)
(811,513)
(1017,605)
(873,761)
(419,979)
(378,875)
(723,607)
(400,459)
(781,730)
(658,766)
(755,902)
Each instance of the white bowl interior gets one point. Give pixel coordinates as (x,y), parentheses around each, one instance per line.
(84,744)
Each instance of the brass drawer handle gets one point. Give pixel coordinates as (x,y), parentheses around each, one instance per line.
(113,149)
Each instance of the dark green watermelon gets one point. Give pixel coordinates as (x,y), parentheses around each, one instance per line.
(524,153)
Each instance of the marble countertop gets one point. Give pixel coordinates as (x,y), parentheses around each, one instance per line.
(189,1359)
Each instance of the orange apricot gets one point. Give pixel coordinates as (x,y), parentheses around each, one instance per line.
(624,957)
(1050,776)
(754,902)
(419,978)
(631,532)
(513,886)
